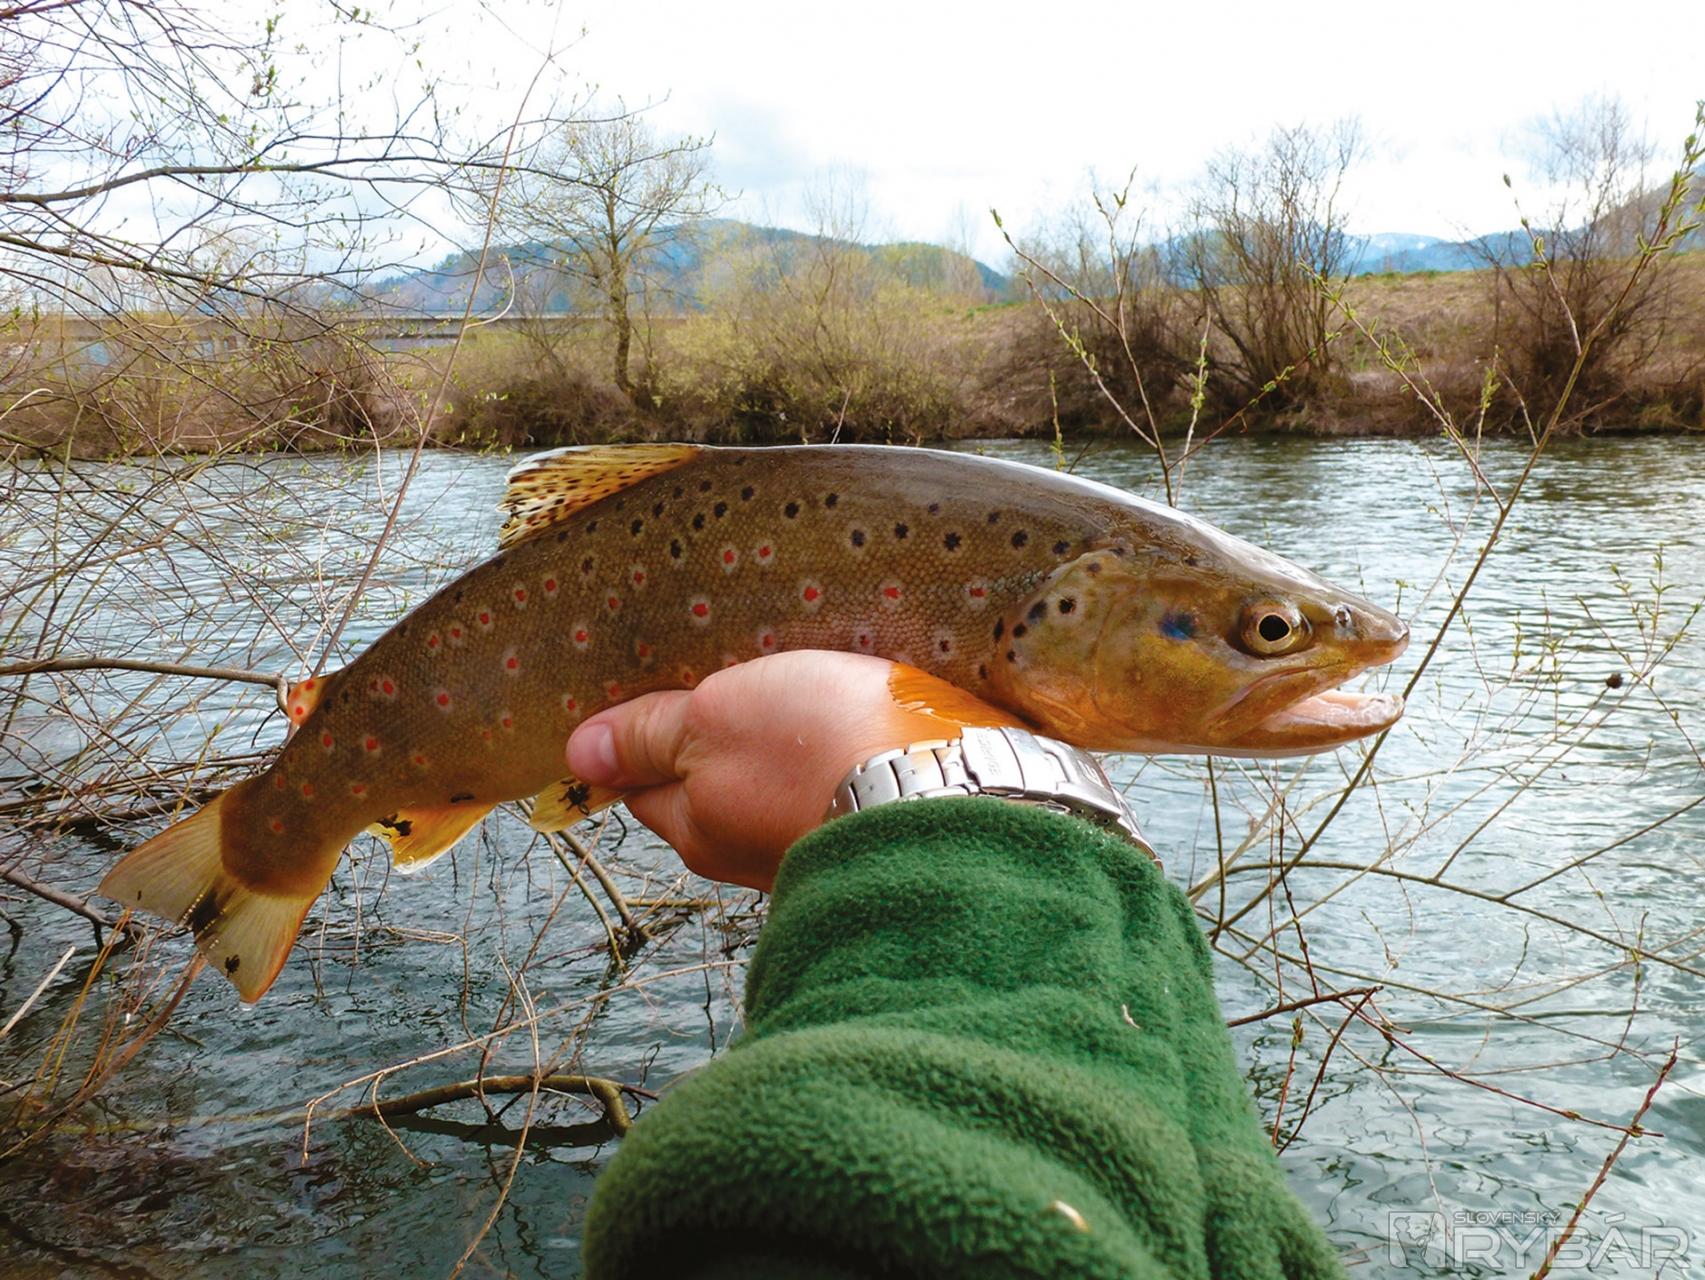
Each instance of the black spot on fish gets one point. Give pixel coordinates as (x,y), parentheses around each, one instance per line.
(747,493)
(679,491)
(719,510)
(1000,628)
(934,508)
(1190,559)
(1067,604)
(461,797)
(232,963)
(346,695)
(1020,538)
(856,537)
(578,795)
(402,826)
(591,527)
(586,564)
(704,486)
(791,510)
(675,548)
(982,672)
(946,645)
(562,537)
(203,913)
(635,527)
(900,531)
(1019,631)
(1094,566)
(1037,610)
(457,598)
(994,517)
(1178,626)
(832,501)
(1061,547)
(698,521)
(1011,655)
(951,542)
(657,508)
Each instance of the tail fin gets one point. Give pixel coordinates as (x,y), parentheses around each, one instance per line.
(181,874)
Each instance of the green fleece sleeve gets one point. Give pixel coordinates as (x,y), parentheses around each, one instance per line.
(982,1042)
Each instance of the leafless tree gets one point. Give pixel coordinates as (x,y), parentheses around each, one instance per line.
(1564,277)
(1269,230)
(603,200)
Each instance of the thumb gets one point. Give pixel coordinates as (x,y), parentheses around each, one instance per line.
(636,744)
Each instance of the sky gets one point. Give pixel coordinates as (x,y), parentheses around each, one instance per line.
(937,112)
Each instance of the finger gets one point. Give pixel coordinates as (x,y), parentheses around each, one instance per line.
(636,744)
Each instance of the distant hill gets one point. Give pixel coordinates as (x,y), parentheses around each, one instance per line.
(682,266)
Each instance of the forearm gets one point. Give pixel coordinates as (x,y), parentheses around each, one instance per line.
(982,1041)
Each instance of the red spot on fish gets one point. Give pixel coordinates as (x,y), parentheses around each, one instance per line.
(520,596)
(326,741)
(358,788)
(729,555)
(418,760)
(455,635)
(810,594)
(484,620)
(688,676)
(310,682)
(442,698)
(570,704)
(642,649)
(699,608)
(614,603)
(298,711)
(277,825)
(638,576)
(767,641)
(582,637)
(891,590)
(307,791)
(613,691)
(729,660)
(387,688)
(506,720)
(766,553)
(864,641)
(433,641)
(486,734)
(279,782)
(550,586)
(511,662)
(370,745)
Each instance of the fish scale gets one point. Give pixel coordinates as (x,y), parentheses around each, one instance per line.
(626,570)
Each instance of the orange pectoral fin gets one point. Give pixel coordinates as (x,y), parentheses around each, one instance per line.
(937,703)
(419,837)
(562,804)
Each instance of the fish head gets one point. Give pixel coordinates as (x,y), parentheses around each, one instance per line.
(1194,641)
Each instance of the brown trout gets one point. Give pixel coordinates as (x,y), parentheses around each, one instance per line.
(1073,607)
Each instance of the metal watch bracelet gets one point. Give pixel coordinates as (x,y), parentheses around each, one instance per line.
(1013,764)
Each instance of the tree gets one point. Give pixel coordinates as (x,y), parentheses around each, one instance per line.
(605,199)
(1565,277)
(1268,247)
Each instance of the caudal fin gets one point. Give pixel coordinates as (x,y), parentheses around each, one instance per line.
(180,874)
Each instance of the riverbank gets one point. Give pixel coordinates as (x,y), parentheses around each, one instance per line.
(905,365)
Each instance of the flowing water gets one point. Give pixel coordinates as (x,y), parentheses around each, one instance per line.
(1547,728)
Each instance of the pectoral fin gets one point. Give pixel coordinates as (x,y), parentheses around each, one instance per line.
(421,836)
(564,803)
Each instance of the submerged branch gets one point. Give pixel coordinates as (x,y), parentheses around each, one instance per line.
(607,1092)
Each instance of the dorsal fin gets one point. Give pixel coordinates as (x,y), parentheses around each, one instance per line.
(550,487)
(304,696)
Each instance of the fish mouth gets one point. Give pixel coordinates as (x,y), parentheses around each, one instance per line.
(1318,722)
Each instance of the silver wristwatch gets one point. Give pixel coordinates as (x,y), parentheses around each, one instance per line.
(1013,764)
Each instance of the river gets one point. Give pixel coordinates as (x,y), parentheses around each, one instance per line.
(1451,1132)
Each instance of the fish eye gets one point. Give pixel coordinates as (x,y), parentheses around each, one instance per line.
(1271,629)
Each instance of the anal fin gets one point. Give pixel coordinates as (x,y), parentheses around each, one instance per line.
(562,804)
(419,837)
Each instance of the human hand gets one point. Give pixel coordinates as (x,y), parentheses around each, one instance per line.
(733,772)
